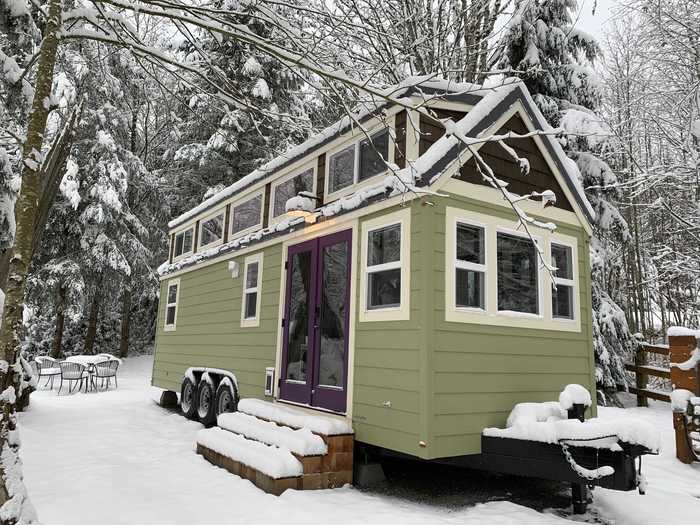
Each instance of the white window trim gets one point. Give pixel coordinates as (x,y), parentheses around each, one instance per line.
(464,265)
(171,327)
(569,242)
(220,240)
(252,321)
(356,183)
(273,189)
(395,313)
(183,254)
(491,316)
(232,236)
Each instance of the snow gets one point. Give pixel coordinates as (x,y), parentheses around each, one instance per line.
(692,362)
(574,395)
(119,448)
(275,462)
(299,202)
(299,441)
(682,331)
(679,399)
(524,413)
(286,415)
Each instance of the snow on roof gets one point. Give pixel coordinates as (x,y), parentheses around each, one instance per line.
(371,106)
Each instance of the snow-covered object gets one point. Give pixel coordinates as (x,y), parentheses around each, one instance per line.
(679,399)
(594,432)
(299,203)
(252,68)
(692,362)
(270,460)
(284,415)
(299,441)
(189,374)
(574,395)
(682,331)
(524,413)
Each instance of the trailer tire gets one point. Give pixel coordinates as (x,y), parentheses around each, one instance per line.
(188,398)
(226,399)
(205,403)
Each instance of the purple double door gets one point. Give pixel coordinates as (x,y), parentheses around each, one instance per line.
(316,322)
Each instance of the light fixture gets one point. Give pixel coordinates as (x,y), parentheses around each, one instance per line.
(302,205)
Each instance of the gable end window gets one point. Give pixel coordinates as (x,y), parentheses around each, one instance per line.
(563,293)
(172,297)
(373,156)
(341,169)
(284,191)
(211,230)
(246,215)
(252,284)
(518,274)
(183,242)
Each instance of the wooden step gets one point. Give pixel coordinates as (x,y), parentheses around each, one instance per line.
(292,417)
(651,394)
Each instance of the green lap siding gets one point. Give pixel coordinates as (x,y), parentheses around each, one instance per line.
(480,371)
(209,331)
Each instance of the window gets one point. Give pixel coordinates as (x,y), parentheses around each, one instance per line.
(290,188)
(211,230)
(344,169)
(341,169)
(470,267)
(246,215)
(518,270)
(563,292)
(252,280)
(374,155)
(172,297)
(385,272)
(384,267)
(183,243)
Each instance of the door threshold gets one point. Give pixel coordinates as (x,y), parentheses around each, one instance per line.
(311,407)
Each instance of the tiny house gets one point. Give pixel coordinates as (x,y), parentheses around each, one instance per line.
(375,275)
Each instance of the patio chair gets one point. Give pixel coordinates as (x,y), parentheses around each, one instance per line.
(46,367)
(107,370)
(73,372)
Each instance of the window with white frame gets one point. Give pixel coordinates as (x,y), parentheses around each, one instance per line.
(358,162)
(211,229)
(470,266)
(172,296)
(284,191)
(252,280)
(563,286)
(183,242)
(246,215)
(384,267)
(518,274)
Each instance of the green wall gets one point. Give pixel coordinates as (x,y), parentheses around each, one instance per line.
(209,329)
(478,371)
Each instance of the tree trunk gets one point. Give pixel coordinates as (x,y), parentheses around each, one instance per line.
(13,499)
(126,315)
(60,321)
(92,324)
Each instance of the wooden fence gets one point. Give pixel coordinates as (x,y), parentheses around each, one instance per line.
(643,370)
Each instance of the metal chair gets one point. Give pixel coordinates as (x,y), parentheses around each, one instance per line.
(107,370)
(73,372)
(46,367)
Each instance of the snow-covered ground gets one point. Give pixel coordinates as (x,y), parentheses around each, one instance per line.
(117,458)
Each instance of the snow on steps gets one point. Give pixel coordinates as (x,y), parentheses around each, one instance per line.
(322,446)
(301,442)
(294,418)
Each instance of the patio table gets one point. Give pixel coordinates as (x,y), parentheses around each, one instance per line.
(89,361)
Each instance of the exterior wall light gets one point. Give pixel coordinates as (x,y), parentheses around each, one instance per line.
(302,205)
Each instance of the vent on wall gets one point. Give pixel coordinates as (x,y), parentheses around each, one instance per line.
(269,380)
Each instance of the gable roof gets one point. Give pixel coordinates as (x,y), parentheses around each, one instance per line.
(424,172)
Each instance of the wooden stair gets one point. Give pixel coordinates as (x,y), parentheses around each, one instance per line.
(279,447)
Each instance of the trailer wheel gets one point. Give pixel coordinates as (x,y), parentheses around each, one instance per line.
(188,403)
(226,398)
(205,403)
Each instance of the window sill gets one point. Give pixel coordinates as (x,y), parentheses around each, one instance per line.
(250,323)
(169,328)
